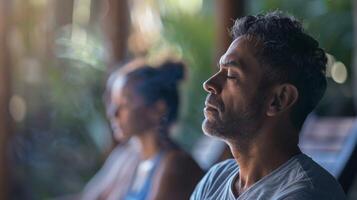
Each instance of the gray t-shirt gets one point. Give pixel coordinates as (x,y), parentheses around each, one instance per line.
(300,178)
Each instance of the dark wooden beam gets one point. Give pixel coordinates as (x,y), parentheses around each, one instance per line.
(227,11)
(63,12)
(116,26)
(6,124)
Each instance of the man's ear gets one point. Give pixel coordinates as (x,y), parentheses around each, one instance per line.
(283,97)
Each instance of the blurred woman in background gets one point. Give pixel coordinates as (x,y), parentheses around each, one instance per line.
(144,105)
(114,178)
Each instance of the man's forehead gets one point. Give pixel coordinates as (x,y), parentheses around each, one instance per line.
(241,54)
(236,51)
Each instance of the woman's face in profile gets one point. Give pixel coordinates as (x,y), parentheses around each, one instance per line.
(131,116)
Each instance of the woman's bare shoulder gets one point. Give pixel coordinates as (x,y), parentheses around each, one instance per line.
(179,159)
(177,177)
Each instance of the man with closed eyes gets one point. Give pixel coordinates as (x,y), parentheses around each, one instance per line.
(270,78)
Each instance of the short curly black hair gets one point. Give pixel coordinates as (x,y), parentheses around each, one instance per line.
(288,55)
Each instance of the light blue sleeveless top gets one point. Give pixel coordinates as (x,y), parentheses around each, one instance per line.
(143,192)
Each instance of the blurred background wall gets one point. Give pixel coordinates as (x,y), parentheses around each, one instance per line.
(55,56)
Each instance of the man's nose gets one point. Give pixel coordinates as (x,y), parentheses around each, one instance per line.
(212,85)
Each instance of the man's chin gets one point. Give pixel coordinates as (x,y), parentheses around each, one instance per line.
(210,129)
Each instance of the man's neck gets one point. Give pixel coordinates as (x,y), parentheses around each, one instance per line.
(260,158)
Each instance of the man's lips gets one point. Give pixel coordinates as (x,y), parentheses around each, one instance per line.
(211,103)
(209,108)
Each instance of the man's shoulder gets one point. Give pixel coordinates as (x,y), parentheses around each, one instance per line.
(223,170)
(317,175)
(309,178)
(226,165)
(216,182)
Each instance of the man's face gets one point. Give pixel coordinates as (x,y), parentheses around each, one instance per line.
(234,107)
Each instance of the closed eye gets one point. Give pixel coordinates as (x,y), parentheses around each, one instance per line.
(231,77)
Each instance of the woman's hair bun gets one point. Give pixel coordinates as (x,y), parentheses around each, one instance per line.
(172,71)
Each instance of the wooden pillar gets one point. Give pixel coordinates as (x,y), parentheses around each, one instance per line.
(116,25)
(5,94)
(63,12)
(227,11)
